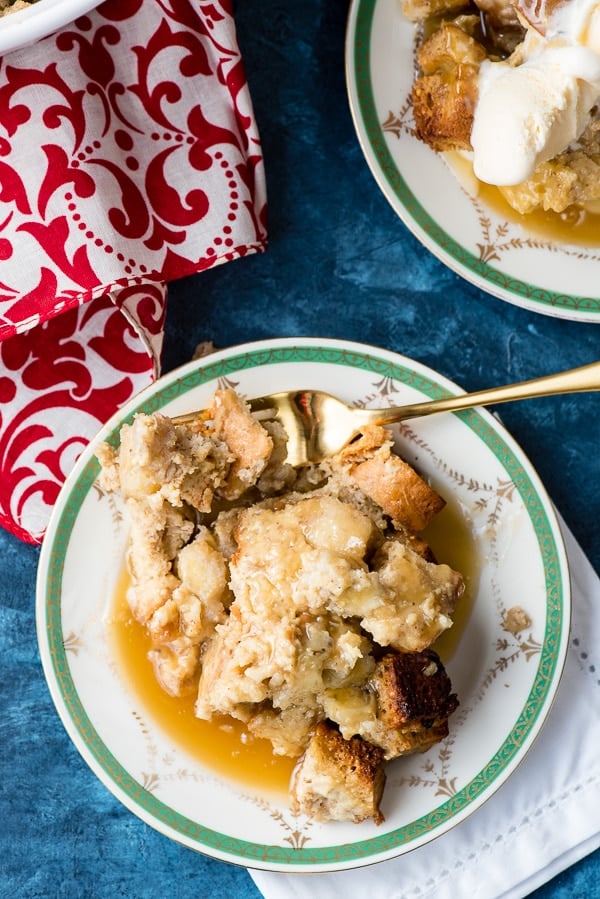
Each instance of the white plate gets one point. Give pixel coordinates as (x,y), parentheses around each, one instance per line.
(43,18)
(505,683)
(494,254)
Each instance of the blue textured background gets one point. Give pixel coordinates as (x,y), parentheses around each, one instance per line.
(340,264)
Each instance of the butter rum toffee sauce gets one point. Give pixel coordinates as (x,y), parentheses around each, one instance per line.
(223,745)
(576,226)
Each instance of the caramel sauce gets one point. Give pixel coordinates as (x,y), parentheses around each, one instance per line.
(223,745)
(576,225)
(453,543)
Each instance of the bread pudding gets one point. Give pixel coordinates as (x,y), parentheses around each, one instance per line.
(301,602)
(514,86)
(9,6)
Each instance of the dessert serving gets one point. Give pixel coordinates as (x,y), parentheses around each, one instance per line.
(513,86)
(500,238)
(215,786)
(9,6)
(301,602)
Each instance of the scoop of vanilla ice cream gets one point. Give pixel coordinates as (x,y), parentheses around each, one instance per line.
(528,113)
(576,21)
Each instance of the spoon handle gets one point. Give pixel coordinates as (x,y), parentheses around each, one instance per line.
(574,380)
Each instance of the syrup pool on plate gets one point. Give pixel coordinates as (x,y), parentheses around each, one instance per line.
(575,225)
(223,744)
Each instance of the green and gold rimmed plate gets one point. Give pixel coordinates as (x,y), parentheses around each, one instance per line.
(498,527)
(473,238)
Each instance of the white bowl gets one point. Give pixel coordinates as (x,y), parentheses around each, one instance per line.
(505,683)
(39,20)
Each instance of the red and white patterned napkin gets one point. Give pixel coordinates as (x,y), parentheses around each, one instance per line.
(129,156)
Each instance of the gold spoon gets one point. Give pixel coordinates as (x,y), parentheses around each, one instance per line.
(319,425)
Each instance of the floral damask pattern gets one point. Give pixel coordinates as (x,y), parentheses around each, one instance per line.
(129,156)
(59,382)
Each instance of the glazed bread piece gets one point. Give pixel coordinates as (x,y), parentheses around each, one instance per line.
(391,483)
(221,454)
(414,702)
(402,708)
(285,635)
(248,442)
(444,95)
(417,10)
(423,597)
(501,13)
(168,474)
(9,6)
(338,779)
(570,179)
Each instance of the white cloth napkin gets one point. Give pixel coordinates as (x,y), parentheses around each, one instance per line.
(544,819)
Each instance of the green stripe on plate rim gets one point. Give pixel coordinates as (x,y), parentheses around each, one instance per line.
(377,141)
(242,850)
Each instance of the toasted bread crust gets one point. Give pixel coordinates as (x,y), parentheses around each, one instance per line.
(403,708)
(249,442)
(445,94)
(398,489)
(338,779)
(390,481)
(415,700)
